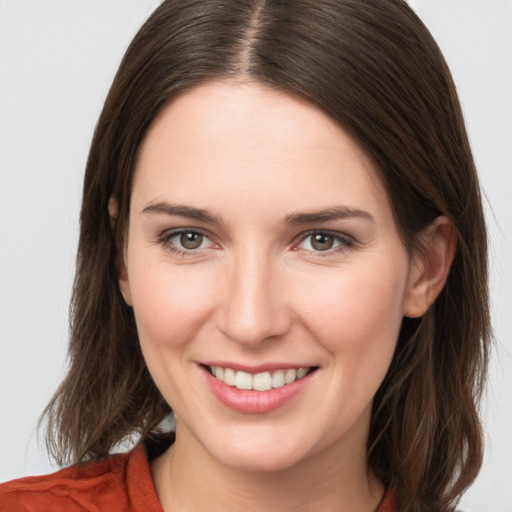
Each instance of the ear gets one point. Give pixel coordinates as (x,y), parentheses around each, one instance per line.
(430,267)
(113,211)
(124,283)
(122,273)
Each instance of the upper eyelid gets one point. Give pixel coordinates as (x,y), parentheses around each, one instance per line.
(333,233)
(164,240)
(170,233)
(346,243)
(165,237)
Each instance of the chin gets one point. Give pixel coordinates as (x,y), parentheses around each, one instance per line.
(261,453)
(258,462)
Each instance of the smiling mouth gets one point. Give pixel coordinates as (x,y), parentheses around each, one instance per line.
(264,381)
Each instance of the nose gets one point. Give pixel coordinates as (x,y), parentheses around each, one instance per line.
(253,307)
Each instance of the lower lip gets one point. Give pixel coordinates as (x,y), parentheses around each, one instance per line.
(255,402)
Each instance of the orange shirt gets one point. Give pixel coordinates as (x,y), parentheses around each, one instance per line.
(120,483)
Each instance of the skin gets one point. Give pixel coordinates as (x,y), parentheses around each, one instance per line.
(257,291)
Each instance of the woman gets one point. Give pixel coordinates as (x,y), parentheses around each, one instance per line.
(282,241)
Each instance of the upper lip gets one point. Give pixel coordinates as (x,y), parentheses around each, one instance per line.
(260,368)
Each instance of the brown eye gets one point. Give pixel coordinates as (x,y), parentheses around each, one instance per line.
(325,242)
(322,242)
(191,240)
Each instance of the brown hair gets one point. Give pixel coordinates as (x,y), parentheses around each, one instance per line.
(374,68)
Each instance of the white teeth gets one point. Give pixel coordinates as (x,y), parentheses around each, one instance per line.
(260,381)
(229,376)
(290,376)
(278,379)
(243,380)
(301,372)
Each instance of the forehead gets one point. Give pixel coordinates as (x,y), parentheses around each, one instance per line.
(253,143)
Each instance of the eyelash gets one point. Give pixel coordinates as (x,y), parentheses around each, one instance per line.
(345,242)
(165,238)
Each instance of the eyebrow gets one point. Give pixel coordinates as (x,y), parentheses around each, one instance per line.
(328,214)
(181,210)
(294,219)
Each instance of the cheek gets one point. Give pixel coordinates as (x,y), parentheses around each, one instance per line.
(170,304)
(357,311)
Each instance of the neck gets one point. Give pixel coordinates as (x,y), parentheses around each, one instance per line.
(187,478)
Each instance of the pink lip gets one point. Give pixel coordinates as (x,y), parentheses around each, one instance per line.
(265,367)
(254,402)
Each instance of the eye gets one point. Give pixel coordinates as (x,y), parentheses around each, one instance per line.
(320,241)
(185,241)
(190,240)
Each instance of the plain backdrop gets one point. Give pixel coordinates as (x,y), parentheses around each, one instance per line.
(57,59)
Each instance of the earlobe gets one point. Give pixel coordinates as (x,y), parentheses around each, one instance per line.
(430,267)
(124,284)
(113,211)
(122,274)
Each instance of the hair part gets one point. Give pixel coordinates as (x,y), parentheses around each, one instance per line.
(373,67)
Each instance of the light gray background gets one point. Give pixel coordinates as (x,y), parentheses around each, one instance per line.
(57,59)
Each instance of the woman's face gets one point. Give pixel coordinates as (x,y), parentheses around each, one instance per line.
(262,247)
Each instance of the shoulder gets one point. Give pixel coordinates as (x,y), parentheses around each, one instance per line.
(118,483)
